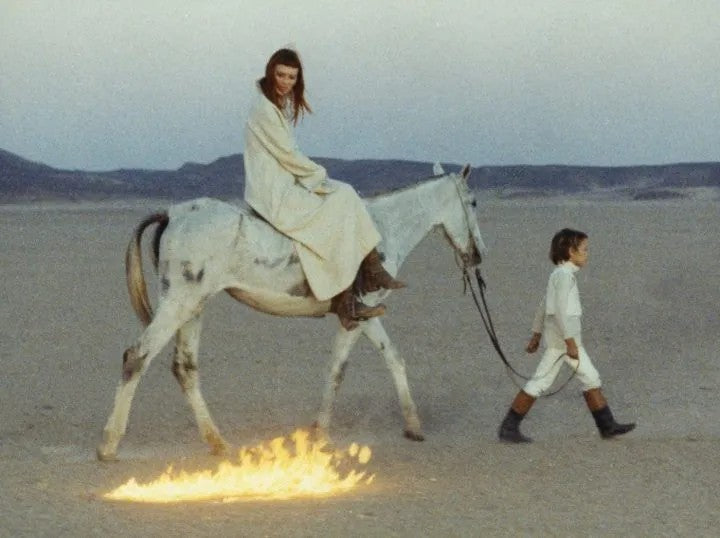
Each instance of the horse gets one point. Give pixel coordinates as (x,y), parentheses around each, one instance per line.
(204,246)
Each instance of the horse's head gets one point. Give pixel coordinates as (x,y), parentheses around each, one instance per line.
(460,221)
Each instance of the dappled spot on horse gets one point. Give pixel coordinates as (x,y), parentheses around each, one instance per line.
(207,246)
(189,275)
(183,364)
(273,263)
(301,290)
(132,363)
(180,366)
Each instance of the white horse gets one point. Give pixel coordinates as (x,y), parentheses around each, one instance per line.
(204,246)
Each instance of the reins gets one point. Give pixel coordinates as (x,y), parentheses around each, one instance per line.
(462,262)
(484,311)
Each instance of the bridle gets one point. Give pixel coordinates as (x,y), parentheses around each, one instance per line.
(466,258)
(464,262)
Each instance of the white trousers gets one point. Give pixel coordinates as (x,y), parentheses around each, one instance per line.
(549,367)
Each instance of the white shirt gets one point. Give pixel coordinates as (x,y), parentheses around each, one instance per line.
(560,312)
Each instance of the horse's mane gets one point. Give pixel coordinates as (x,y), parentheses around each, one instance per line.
(393,192)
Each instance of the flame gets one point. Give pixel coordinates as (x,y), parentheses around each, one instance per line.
(269,471)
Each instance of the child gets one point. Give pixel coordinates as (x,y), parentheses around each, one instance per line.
(559,316)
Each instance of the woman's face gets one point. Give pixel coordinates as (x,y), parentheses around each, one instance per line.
(285,79)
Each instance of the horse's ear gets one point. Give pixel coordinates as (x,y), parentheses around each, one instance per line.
(465,172)
(438,170)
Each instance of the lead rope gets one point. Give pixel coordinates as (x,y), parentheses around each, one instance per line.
(490,329)
(485,311)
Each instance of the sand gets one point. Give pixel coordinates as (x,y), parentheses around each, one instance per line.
(650,294)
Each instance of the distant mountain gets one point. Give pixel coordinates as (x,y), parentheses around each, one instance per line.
(24,180)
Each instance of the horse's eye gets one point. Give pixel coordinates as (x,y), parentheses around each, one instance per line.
(473,203)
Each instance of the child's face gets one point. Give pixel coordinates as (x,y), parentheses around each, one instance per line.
(579,255)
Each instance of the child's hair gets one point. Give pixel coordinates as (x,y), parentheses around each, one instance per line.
(562,242)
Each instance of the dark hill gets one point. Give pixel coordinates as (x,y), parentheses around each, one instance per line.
(24,180)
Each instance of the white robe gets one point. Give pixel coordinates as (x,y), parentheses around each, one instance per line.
(327,219)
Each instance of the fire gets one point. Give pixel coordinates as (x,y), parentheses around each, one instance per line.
(269,471)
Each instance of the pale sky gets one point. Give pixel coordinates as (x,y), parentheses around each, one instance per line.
(100,85)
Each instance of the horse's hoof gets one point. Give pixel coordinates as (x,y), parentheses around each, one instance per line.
(218,450)
(414,436)
(218,446)
(318,434)
(104,456)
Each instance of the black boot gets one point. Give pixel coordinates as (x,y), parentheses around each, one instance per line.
(509,431)
(604,419)
(606,423)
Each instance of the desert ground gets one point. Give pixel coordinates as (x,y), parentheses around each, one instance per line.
(650,295)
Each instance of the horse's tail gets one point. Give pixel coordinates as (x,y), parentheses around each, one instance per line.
(137,289)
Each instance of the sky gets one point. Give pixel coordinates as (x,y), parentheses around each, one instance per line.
(107,84)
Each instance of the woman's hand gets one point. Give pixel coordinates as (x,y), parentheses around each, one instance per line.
(534,343)
(313,180)
(324,187)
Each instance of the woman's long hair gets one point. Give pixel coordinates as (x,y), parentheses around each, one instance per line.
(289,58)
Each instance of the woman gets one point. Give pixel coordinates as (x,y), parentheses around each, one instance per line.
(333,232)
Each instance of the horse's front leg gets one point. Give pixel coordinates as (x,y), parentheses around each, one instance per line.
(185,370)
(344,342)
(374,330)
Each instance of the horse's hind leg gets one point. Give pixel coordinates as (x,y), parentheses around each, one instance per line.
(135,361)
(344,342)
(185,370)
(374,330)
